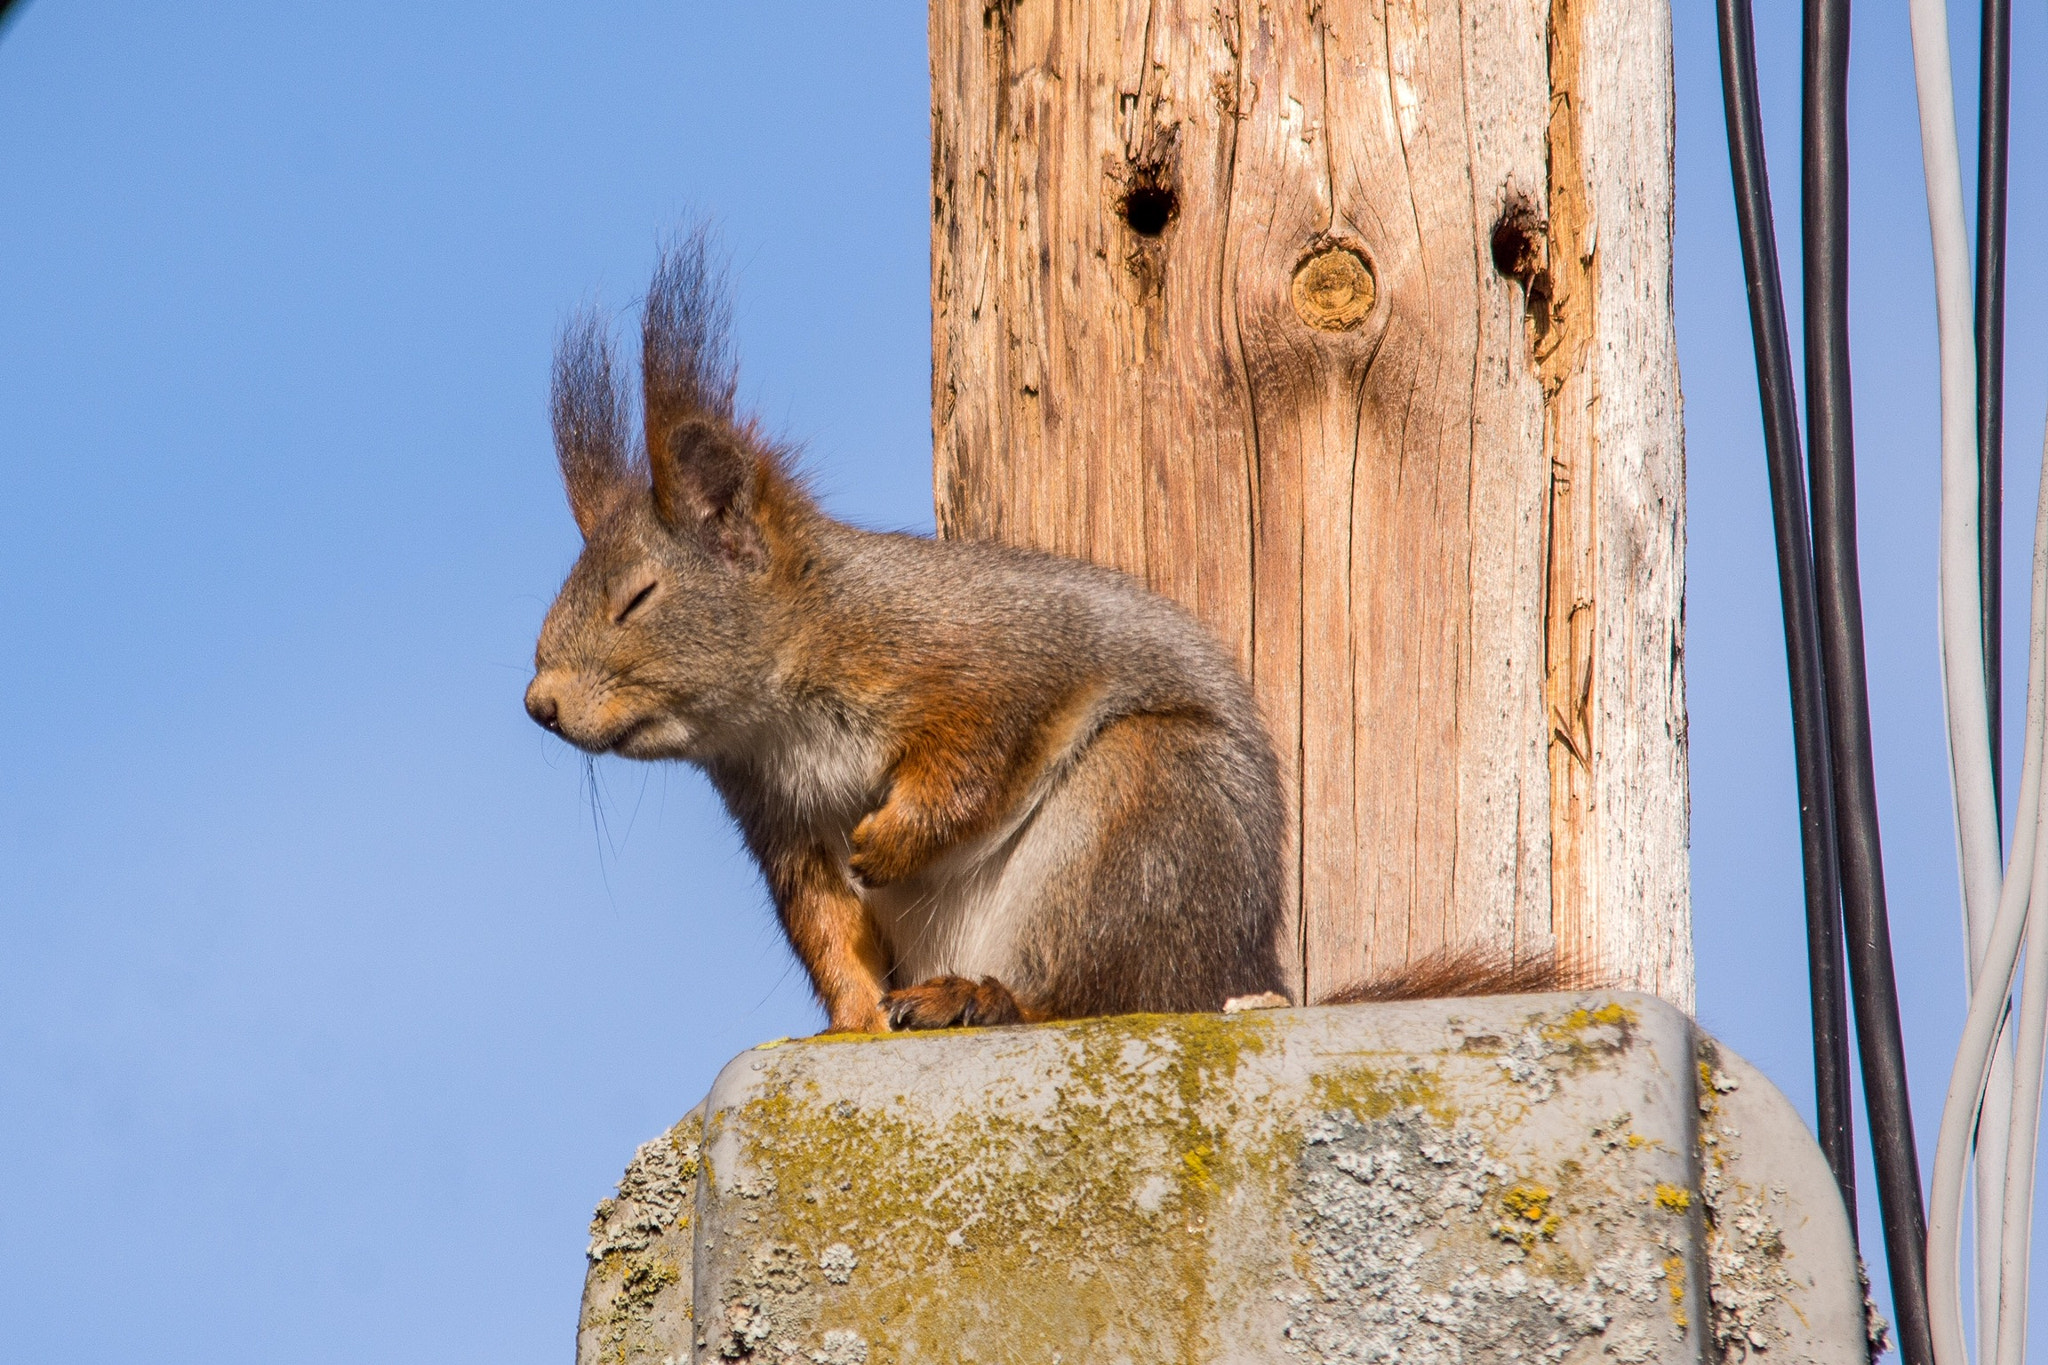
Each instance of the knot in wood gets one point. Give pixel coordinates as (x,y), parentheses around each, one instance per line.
(1333,289)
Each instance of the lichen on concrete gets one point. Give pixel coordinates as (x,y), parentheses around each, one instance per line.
(1544,1050)
(1747,1283)
(1389,1206)
(636,1298)
(1070,1203)
(1186,1188)
(1449,1183)
(653,1194)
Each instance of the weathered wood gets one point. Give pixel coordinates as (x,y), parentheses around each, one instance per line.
(1348,324)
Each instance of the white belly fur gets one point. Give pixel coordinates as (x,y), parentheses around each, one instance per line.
(965,915)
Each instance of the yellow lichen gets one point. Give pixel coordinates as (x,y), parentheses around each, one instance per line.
(1528,1216)
(1526,1201)
(1672,1199)
(1368,1093)
(1113,1186)
(1674,1279)
(1582,1037)
(1567,1032)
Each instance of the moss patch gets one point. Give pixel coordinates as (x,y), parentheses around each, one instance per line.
(1186,1188)
(1073,1214)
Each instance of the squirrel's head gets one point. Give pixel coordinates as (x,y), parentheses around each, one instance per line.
(658,644)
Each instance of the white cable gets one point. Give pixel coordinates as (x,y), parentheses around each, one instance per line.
(1961,600)
(2016,1230)
(2016,1240)
(1967,1082)
(2026,888)
(1969,731)
(2023,906)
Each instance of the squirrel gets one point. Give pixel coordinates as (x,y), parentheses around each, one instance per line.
(985,785)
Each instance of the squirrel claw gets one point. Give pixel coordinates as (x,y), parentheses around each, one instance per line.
(950,1002)
(866,868)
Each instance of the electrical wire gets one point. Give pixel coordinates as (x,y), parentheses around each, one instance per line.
(2024,897)
(1961,602)
(2016,1244)
(1994,117)
(1789,521)
(1993,1102)
(1831,470)
(2024,1134)
(1967,623)
(1994,121)
(1962,605)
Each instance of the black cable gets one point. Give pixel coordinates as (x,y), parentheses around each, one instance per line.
(1836,1121)
(1831,466)
(1994,118)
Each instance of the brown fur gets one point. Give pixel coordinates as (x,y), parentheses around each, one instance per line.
(1471,971)
(956,1002)
(1468,971)
(983,785)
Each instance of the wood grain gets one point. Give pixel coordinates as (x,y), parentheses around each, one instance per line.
(1445,538)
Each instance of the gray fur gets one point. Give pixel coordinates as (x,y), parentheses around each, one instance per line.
(1180,912)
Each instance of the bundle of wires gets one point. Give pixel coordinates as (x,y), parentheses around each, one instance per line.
(1993,1105)
(1994,1099)
(1992,1113)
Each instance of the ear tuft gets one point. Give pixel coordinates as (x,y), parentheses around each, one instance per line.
(686,359)
(703,463)
(588,406)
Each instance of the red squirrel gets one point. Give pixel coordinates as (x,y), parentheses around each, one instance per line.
(985,785)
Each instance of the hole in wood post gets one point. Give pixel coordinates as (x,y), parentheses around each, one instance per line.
(1518,242)
(1148,208)
(1520,248)
(1333,289)
(1148,201)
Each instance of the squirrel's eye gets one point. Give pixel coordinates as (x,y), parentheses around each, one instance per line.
(634,605)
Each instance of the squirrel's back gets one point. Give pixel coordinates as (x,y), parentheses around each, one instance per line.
(994,606)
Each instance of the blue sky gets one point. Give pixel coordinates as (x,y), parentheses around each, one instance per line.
(329,1000)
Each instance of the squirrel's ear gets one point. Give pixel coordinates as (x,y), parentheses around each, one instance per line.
(704,479)
(589,411)
(705,469)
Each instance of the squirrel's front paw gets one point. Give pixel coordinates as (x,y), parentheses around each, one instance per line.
(952,1001)
(874,853)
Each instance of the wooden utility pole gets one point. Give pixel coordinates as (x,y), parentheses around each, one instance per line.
(1348,324)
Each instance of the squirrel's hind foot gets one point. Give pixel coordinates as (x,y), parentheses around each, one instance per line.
(953,1002)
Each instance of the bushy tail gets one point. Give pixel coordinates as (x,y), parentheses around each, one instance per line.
(1471,970)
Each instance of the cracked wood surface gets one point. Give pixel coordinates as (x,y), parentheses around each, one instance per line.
(1444,533)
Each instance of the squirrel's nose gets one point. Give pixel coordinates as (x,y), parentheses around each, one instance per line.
(541,705)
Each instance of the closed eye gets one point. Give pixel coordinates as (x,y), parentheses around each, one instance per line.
(634,605)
